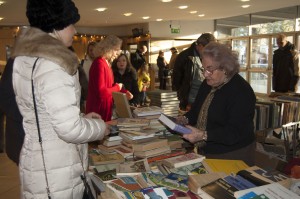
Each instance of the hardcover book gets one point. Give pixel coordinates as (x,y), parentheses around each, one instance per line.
(182,160)
(106,158)
(150,145)
(173,126)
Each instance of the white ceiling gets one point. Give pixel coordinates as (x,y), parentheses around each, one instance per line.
(13,11)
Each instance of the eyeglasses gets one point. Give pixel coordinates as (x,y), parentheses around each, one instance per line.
(209,72)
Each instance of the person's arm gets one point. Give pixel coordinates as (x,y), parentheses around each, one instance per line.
(101,76)
(57,91)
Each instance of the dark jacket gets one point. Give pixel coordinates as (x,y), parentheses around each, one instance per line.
(129,80)
(283,69)
(137,59)
(230,116)
(183,72)
(14,129)
(161,64)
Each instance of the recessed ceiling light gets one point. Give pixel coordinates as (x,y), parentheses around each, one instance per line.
(101,9)
(146,17)
(1,2)
(244,0)
(201,15)
(245,6)
(158,19)
(166,1)
(183,7)
(1,18)
(127,14)
(193,12)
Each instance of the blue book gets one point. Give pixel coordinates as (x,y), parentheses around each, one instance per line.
(173,125)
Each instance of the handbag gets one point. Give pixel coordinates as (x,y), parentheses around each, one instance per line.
(88,193)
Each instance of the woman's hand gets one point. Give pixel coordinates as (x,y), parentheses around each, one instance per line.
(92,115)
(195,136)
(129,96)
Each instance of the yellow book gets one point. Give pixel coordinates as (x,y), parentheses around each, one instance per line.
(226,166)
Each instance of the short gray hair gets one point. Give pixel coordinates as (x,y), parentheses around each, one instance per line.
(223,57)
(105,47)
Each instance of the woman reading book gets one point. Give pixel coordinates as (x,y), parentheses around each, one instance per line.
(222,114)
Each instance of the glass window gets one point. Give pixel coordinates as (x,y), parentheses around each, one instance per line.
(259,81)
(259,53)
(240,47)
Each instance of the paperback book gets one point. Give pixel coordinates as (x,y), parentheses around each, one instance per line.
(173,125)
(183,160)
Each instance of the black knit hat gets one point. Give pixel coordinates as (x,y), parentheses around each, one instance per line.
(49,15)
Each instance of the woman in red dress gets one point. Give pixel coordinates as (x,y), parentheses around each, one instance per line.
(101,79)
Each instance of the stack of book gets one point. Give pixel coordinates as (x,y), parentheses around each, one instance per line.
(152,148)
(136,126)
(150,112)
(111,141)
(165,99)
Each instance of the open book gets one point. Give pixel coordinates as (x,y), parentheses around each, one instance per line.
(173,125)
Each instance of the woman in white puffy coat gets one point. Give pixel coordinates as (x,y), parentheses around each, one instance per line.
(63,130)
(57,94)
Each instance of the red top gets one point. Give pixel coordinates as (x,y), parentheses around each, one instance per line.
(101,86)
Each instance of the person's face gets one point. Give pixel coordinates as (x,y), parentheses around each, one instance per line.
(66,35)
(91,52)
(122,62)
(281,42)
(213,75)
(115,53)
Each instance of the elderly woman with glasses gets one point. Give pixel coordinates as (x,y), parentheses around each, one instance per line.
(221,117)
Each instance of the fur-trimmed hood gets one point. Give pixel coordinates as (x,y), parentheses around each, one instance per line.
(33,42)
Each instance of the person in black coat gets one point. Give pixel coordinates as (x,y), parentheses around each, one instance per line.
(162,68)
(14,128)
(223,112)
(124,73)
(137,59)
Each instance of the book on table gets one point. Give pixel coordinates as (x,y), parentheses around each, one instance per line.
(152,152)
(133,167)
(173,125)
(97,159)
(182,160)
(226,166)
(145,111)
(150,145)
(124,151)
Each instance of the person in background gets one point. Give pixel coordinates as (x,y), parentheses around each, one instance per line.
(44,67)
(137,59)
(89,58)
(101,81)
(187,74)
(143,83)
(173,57)
(124,73)
(221,118)
(162,68)
(285,66)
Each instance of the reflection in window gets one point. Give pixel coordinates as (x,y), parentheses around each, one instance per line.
(240,47)
(259,53)
(258,81)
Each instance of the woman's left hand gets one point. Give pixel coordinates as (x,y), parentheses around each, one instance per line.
(195,136)
(92,115)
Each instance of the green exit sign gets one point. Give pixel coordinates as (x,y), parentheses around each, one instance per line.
(175,30)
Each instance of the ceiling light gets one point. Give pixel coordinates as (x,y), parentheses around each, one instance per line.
(127,14)
(166,1)
(245,6)
(101,9)
(183,7)
(146,17)
(244,0)
(1,2)
(158,19)
(1,18)
(193,12)
(201,15)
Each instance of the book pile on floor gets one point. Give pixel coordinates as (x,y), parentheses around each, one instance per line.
(165,99)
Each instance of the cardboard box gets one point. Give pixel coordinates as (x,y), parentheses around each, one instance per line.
(268,161)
